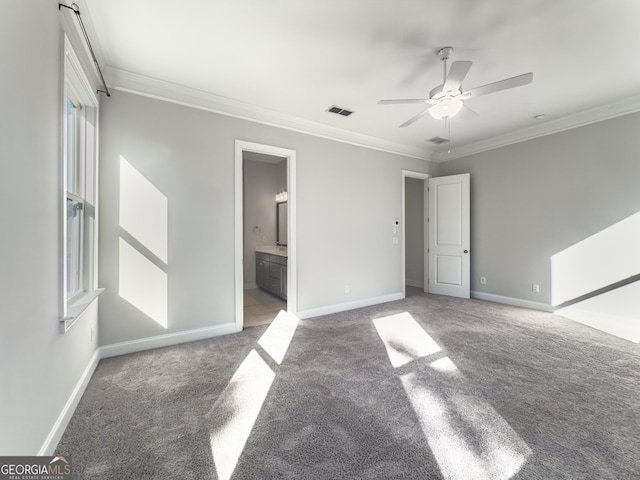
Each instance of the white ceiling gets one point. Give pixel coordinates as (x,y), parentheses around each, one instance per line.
(284,62)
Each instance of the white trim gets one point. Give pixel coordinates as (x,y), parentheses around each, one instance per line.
(425,177)
(342,307)
(166,340)
(55,434)
(292,282)
(250,286)
(238,241)
(626,106)
(516,302)
(77,309)
(414,283)
(78,76)
(161,90)
(77,85)
(153,88)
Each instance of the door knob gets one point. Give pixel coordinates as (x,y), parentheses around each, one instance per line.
(466,251)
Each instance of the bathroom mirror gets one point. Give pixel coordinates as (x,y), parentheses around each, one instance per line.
(281,223)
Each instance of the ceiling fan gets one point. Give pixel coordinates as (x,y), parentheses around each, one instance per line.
(446,99)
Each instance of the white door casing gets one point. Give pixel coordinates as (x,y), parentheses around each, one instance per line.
(292,284)
(449,235)
(420,176)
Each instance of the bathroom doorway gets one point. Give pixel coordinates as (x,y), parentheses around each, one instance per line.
(415,233)
(265,233)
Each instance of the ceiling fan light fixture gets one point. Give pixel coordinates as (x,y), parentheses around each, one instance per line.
(446,108)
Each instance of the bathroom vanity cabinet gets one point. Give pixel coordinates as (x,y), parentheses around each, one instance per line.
(271,271)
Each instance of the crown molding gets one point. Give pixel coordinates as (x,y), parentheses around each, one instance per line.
(159,89)
(586,117)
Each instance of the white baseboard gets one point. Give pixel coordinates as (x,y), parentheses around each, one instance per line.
(55,434)
(341,307)
(516,302)
(414,283)
(250,286)
(167,340)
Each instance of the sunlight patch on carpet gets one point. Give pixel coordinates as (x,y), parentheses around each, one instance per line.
(404,339)
(446,366)
(237,410)
(277,338)
(468,438)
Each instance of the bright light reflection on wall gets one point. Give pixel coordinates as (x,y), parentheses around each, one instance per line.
(616,312)
(142,283)
(143,210)
(598,261)
(404,339)
(241,402)
(276,339)
(485,448)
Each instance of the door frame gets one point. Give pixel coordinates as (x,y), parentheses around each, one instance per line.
(425,177)
(292,293)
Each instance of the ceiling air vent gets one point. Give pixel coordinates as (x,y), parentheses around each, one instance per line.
(438,140)
(339,110)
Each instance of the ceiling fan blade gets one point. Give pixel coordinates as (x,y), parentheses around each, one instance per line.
(505,84)
(471,110)
(457,72)
(413,119)
(400,101)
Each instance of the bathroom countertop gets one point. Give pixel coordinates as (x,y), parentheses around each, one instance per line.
(273,250)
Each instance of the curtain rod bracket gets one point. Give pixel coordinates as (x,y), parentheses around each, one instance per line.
(75,9)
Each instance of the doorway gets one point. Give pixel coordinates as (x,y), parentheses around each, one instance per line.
(415,233)
(265,263)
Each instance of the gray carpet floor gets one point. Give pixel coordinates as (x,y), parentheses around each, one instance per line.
(461,389)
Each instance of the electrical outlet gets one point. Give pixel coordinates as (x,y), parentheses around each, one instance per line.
(483,280)
(535,288)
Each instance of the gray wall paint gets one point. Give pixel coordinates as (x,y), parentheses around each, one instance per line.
(533,199)
(39,366)
(261,182)
(414,231)
(348,197)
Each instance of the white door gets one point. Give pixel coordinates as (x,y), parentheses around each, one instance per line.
(449,257)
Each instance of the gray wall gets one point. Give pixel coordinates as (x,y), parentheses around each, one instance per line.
(39,366)
(347,199)
(414,231)
(533,199)
(261,182)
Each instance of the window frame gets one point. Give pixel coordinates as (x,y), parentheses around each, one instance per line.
(79,92)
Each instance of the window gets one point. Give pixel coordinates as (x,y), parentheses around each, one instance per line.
(79,186)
